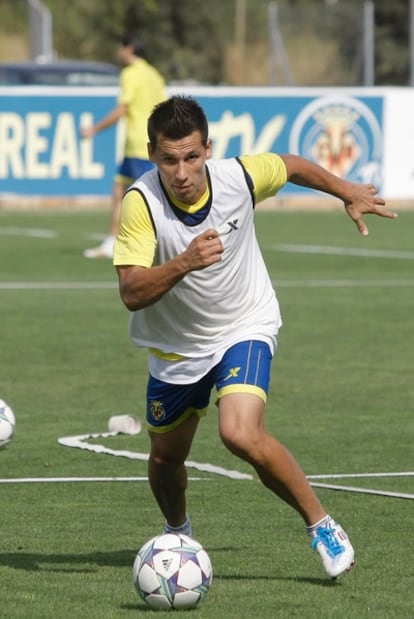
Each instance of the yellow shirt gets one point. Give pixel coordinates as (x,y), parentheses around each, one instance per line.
(142,88)
(136,240)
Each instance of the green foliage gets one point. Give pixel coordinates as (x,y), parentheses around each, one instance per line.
(190,40)
(183,42)
(392,42)
(13,16)
(341,400)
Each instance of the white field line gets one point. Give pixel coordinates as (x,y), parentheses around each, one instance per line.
(344,283)
(81,442)
(31,232)
(311,283)
(58,285)
(357,475)
(344,251)
(41,480)
(396,495)
(283,247)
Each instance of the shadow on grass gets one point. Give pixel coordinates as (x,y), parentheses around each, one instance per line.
(90,562)
(320,582)
(87,563)
(141,607)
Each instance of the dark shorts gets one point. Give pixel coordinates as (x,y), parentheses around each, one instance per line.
(244,368)
(131,168)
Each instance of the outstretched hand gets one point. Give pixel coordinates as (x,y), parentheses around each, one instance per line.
(364,200)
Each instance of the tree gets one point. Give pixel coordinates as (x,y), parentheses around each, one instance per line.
(195,41)
(392,42)
(184,40)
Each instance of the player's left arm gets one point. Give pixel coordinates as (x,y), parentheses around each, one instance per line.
(359,199)
(267,174)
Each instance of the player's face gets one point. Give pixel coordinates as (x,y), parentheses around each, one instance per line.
(181,165)
(124,53)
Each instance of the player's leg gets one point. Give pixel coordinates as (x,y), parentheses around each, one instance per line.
(118,191)
(242,431)
(242,380)
(106,248)
(173,412)
(167,472)
(129,170)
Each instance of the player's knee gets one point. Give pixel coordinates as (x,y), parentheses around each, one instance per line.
(239,441)
(166,459)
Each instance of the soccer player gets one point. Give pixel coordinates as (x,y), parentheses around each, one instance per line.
(141,88)
(201,300)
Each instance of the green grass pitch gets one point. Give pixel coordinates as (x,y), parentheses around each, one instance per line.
(341,399)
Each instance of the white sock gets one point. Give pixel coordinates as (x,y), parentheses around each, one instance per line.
(185,528)
(109,242)
(311,530)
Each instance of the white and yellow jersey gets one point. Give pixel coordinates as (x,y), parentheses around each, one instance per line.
(210,309)
(141,88)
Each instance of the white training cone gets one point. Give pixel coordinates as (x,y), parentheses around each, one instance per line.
(124,424)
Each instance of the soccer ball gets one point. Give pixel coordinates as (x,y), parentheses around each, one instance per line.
(7,423)
(172,571)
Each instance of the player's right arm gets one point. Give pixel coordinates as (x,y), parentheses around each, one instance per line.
(141,283)
(110,119)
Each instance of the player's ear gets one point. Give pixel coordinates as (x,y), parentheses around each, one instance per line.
(209,148)
(150,152)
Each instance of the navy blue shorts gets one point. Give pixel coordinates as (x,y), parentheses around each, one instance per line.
(132,167)
(244,368)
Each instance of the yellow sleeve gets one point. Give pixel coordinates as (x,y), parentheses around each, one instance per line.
(127,86)
(136,240)
(268,173)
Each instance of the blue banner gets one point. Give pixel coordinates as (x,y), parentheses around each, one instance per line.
(42,153)
(342,133)
(41,149)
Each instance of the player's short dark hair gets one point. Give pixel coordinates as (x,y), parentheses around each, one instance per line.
(132,39)
(176,118)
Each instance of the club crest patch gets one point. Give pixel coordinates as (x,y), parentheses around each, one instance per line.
(157,410)
(343,134)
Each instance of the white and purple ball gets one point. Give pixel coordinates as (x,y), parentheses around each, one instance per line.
(7,424)
(172,571)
